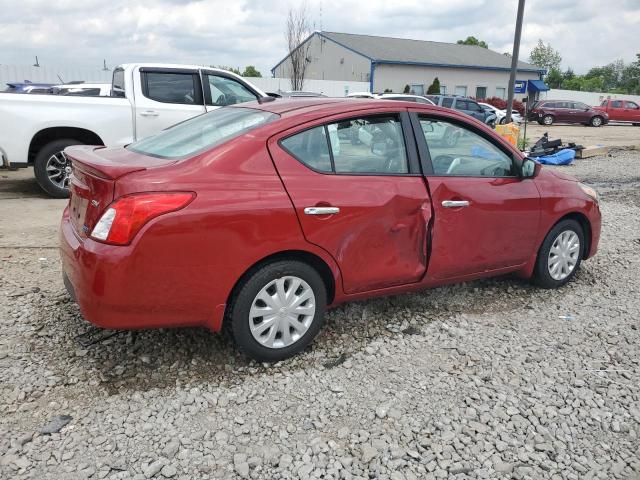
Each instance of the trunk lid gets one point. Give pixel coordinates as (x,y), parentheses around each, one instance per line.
(92,185)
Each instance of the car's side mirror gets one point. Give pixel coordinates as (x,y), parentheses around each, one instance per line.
(529,168)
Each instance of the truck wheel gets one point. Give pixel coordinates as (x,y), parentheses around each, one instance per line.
(596,121)
(52,168)
(548,119)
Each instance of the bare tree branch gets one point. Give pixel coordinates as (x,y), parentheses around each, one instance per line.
(298,28)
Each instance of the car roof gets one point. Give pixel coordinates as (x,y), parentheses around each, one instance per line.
(286,107)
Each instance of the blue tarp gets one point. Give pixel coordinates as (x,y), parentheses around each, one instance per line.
(562,157)
(537,86)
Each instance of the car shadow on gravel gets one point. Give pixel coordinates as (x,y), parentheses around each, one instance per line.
(161,358)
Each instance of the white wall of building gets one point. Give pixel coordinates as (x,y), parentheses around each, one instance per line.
(395,77)
(590,98)
(330,61)
(331,88)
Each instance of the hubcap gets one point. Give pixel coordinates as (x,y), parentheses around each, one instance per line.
(548,120)
(596,121)
(563,255)
(59,170)
(282,312)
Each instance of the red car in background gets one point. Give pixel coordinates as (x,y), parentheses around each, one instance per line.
(621,110)
(548,112)
(261,215)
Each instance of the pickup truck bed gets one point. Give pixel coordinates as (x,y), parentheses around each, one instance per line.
(146,98)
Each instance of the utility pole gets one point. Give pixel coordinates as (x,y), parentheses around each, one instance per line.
(514,59)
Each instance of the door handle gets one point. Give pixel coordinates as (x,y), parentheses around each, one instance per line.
(321,210)
(149,113)
(455,203)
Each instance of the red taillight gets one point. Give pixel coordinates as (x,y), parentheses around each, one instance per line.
(127,215)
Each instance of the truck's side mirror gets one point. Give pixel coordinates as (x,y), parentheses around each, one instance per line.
(529,168)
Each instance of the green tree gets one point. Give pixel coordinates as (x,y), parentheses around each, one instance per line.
(434,88)
(407,89)
(545,56)
(471,40)
(568,74)
(554,78)
(250,71)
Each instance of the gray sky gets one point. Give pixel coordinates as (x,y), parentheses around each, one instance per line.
(244,32)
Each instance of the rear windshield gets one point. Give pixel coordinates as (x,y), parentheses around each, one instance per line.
(203,132)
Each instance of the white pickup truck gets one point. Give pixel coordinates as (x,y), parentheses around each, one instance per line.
(145,99)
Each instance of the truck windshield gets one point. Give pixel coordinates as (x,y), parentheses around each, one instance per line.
(201,133)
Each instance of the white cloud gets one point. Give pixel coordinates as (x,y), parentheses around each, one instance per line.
(248,32)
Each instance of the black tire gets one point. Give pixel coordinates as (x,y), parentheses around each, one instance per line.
(548,120)
(238,319)
(541,274)
(40,166)
(596,121)
(636,124)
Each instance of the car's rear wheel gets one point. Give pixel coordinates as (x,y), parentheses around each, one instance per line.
(277,310)
(548,120)
(52,168)
(503,120)
(560,254)
(596,121)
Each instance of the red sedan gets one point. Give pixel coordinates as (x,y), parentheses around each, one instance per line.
(261,215)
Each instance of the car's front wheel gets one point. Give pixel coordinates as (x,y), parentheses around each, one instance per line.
(52,168)
(548,120)
(560,254)
(596,121)
(278,310)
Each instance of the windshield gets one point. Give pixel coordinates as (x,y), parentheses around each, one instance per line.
(201,133)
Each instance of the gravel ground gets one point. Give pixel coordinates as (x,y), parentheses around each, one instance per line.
(489,379)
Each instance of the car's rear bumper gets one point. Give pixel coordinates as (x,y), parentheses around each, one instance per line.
(118,289)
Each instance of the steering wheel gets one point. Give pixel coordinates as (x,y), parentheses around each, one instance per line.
(453,165)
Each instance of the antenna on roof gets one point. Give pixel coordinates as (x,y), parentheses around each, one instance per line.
(36,64)
(104,65)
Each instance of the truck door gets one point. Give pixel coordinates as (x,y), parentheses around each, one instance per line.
(615,110)
(221,89)
(631,111)
(164,97)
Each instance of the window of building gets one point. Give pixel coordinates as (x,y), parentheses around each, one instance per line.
(501,92)
(417,88)
(481,92)
(461,90)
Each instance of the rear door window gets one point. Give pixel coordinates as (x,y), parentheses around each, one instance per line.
(367,145)
(172,87)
